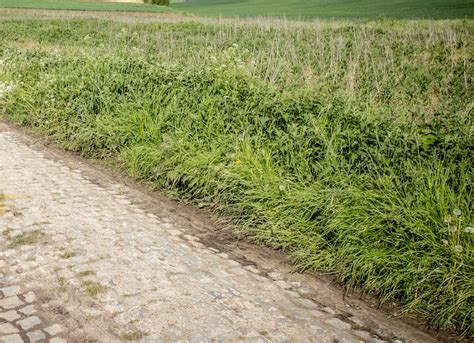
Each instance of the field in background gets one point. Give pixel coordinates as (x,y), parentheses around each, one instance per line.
(85,6)
(331,8)
(304,9)
(345,144)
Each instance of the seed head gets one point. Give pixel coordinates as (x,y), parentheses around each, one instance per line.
(469,229)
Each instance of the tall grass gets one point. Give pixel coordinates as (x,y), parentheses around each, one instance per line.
(346,144)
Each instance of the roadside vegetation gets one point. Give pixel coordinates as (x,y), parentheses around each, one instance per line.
(348,145)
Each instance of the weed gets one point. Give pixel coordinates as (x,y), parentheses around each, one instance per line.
(93,288)
(25,239)
(68,254)
(86,273)
(133,335)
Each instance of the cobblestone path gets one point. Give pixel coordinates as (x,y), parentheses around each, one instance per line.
(80,262)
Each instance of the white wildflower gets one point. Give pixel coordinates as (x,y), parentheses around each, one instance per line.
(445,242)
(469,229)
(458,248)
(457,212)
(281,188)
(5,88)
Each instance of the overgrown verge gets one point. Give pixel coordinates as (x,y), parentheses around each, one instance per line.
(364,170)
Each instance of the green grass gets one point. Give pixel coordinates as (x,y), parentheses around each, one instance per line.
(25,239)
(348,145)
(92,288)
(86,273)
(68,254)
(331,8)
(78,5)
(133,335)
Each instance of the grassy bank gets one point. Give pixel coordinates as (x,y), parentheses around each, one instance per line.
(348,145)
(78,5)
(438,9)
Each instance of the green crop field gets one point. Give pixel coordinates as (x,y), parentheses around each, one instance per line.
(331,8)
(345,143)
(84,6)
(292,9)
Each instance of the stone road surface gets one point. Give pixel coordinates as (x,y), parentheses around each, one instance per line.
(80,262)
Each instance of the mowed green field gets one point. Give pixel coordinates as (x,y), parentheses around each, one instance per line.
(435,9)
(85,6)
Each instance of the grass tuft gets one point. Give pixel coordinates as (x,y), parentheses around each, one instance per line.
(86,273)
(68,254)
(92,288)
(25,239)
(133,335)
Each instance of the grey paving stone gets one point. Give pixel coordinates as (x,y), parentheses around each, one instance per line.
(10,316)
(11,339)
(363,334)
(7,328)
(11,302)
(57,340)
(305,302)
(329,310)
(36,336)
(54,329)
(283,284)
(10,291)
(29,297)
(27,310)
(29,322)
(339,324)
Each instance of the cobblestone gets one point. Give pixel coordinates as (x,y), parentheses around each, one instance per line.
(11,339)
(57,340)
(29,322)
(36,336)
(105,266)
(11,302)
(27,310)
(7,328)
(10,291)
(10,316)
(54,329)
